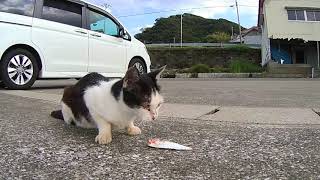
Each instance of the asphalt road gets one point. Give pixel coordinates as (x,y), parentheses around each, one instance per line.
(228,92)
(36,146)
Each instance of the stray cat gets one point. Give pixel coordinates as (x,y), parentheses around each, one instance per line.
(96,101)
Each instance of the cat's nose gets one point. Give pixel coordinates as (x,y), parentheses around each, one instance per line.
(153,115)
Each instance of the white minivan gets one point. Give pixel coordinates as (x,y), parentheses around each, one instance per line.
(63,39)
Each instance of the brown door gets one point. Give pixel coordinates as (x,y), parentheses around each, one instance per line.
(300,57)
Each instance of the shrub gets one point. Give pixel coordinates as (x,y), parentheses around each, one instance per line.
(168,74)
(240,48)
(242,66)
(200,68)
(180,58)
(220,37)
(220,70)
(185,70)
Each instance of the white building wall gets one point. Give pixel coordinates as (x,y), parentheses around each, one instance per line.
(279,27)
(265,43)
(265,48)
(252,39)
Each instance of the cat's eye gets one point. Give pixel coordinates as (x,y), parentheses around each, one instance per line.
(148,107)
(159,105)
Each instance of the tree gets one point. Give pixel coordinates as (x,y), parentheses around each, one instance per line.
(195,29)
(220,37)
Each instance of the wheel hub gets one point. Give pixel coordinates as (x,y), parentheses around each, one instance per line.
(20,69)
(139,67)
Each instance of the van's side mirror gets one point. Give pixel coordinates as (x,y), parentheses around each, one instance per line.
(121,32)
(124,34)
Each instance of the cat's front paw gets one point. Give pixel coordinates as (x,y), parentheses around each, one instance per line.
(133,131)
(103,139)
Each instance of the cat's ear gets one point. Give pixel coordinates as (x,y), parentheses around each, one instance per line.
(131,77)
(156,74)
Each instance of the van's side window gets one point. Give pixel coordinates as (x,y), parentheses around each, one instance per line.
(24,7)
(63,12)
(103,24)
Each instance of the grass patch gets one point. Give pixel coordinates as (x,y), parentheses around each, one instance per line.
(220,70)
(239,48)
(200,68)
(243,66)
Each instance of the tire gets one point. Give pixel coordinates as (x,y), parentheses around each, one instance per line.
(139,64)
(19,69)
(2,84)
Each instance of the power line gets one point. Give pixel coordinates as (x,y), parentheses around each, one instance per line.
(187,9)
(172,10)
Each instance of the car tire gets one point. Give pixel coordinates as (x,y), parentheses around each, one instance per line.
(19,69)
(2,84)
(139,64)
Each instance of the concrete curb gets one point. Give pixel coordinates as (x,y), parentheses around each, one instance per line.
(187,111)
(277,116)
(238,75)
(219,75)
(210,113)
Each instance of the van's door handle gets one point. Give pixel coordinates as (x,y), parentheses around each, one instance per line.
(96,35)
(80,31)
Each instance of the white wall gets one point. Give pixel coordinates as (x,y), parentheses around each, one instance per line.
(279,27)
(252,39)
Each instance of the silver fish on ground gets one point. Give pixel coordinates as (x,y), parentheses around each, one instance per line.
(162,144)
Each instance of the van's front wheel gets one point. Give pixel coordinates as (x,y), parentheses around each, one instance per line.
(2,84)
(139,64)
(19,69)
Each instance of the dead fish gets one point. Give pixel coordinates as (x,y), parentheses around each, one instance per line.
(162,144)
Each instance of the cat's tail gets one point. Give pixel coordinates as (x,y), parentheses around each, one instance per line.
(57,114)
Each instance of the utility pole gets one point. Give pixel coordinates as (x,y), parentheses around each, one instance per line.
(181,31)
(239,21)
(231,32)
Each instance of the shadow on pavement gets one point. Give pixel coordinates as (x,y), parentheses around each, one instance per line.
(48,87)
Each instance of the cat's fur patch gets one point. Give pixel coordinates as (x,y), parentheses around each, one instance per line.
(98,102)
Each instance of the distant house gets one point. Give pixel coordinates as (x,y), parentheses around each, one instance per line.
(290,31)
(250,36)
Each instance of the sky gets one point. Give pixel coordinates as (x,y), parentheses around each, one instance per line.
(128,12)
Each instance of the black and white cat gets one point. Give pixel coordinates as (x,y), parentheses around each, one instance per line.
(98,102)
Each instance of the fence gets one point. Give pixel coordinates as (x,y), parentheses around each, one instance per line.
(256,46)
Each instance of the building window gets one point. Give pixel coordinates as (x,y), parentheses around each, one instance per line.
(317,15)
(297,15)
(24,7)
(62,12)
(292,15)
(303,15)
(313,15)
(300,15)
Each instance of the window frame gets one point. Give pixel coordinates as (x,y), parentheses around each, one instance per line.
(103,13)
(39,7)
(295,14)
(305,14)
(314,14)
(33,13)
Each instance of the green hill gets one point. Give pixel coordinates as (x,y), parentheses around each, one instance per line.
(195,29)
